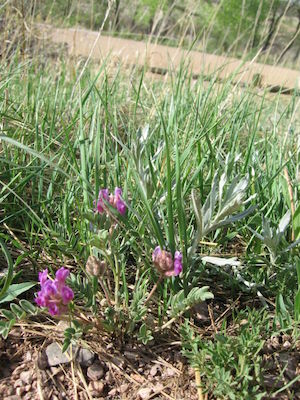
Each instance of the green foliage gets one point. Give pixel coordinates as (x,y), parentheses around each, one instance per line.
(296,222)
(144,334)
(9,275)
(73,334)
(243,21)
(15,290)
(231,365)
(181,303)
(16,312)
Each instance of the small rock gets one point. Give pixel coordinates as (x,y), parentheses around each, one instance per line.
(28,356)
(85,357)
(96,388)
(95,371)
(201,311)
(18,383)
(55,356)
(14,397)
(154,370)
(170,372)
(144,393)
(42,360)
(286,345)
(131,355)
(26,377)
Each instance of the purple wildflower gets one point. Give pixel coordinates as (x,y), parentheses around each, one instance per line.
(165,264)
(54,294)
(115,200)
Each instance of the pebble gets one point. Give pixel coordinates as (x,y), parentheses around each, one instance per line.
(170,372)
(95,371)
(26,377)
(85,357)
(201,311)
(131,355)
(286,345)
(96,387)
(55,356)
(144,393)
(154,370)
(42,360)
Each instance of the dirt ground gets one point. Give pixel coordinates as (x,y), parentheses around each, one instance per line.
(161,58)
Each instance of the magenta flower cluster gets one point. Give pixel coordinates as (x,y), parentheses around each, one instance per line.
(115,200)
(165,263)
(54,294)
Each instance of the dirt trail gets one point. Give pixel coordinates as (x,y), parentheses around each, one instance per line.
(161,58)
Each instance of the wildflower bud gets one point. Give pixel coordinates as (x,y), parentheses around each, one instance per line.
(94,266)
(164,263)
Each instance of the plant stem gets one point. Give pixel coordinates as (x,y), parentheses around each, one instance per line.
(154,288)
(198,384)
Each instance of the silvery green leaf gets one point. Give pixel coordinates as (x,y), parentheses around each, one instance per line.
(144,134)
(221,188)
(235,218)
(209,205)
(198,211)
(222,262)
(258,235)
(284,222)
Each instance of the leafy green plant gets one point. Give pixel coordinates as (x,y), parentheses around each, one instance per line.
(17,312)
(230,365)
